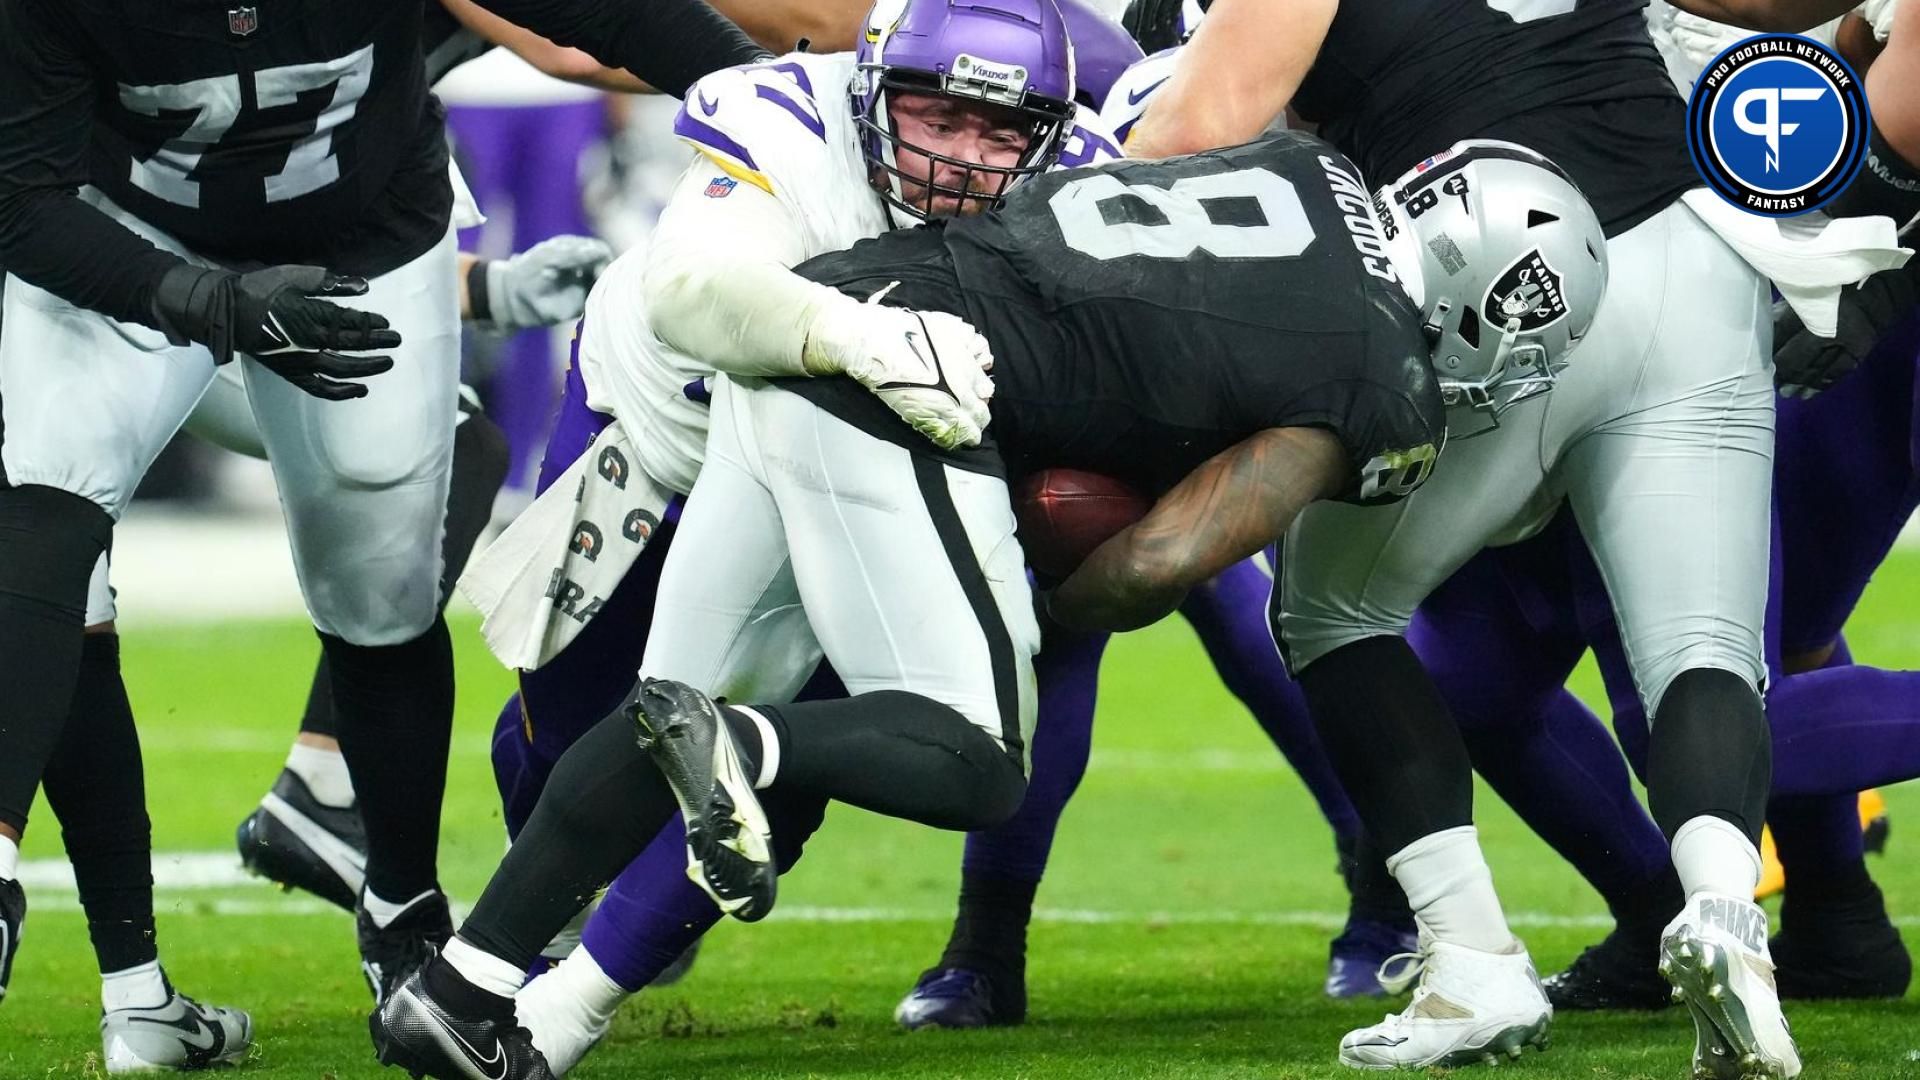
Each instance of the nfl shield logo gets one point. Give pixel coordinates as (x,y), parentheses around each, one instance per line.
(243,21)
(721,186)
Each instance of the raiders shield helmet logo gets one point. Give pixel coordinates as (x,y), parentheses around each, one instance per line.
(1529,291)
(243,21)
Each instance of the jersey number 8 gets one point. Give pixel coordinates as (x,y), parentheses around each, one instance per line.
(1245,214)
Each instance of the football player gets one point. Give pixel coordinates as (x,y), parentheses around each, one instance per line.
(1222,396)
(159,209)
(1660,437)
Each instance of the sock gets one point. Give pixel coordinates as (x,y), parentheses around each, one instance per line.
(488,972)
(1450,890)
(139,987)
(990,932)
(758,740)
(1372,893)
(395,707)
(95,785)
(1710,754)
(324,772)
(1820,846)
(383,911)
(9,858)
(318,719)
(587,987)
(1713,855)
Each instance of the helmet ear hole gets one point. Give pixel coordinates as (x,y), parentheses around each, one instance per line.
(1470,327)
(1537,218)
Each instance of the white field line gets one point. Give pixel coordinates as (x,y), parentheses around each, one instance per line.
(178,876)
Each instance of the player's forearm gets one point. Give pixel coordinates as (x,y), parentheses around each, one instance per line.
(1235,77)
(666,43)
(51,239)
(1784,16)
(559,61)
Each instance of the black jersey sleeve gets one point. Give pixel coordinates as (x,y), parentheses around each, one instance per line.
(48,236)
(669,44)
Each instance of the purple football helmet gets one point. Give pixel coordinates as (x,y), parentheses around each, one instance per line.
(1102,50)
(1011,53)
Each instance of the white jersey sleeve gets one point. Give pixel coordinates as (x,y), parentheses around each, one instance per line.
(1127,101)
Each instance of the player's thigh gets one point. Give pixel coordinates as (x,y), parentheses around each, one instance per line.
(364,482)
(727,617)
(1673,493)
(87,402)
(1348,572)
(224,416)
(909,568)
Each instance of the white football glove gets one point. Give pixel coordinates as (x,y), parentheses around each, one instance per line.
(546,284)
(927,366)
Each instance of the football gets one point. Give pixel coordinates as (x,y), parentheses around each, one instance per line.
(1066,513)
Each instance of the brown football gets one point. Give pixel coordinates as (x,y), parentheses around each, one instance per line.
(1066,513)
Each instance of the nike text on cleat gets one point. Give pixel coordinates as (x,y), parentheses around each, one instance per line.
(1469,1007)
(729,846)
(299,842)
(425,1036)
(1715,955)
(13,916)
(390,954)
(181,1034)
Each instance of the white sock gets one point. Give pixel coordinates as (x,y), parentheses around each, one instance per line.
(324,772)
(9,858)
(1450,890)
(140,987)
(587,986)
(482,969)
(769,747)
(1712,855)
(384,911)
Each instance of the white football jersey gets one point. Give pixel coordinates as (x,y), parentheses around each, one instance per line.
(1127,101)
(784,126)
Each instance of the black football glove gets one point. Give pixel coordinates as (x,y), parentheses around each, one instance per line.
(277,316)
(1805,364)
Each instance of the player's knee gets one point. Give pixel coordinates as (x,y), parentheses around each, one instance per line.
(52,541)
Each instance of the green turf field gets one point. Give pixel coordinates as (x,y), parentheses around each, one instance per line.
(1182,932)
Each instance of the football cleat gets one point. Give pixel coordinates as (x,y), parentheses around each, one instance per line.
(13,917)
(1357,957)
(1839,947)
(424,1033)
(1715,955)
(299,842)
(181,1035)
(1622,972)
(1468,1007)
(956,998)
(388,955)
(729,845)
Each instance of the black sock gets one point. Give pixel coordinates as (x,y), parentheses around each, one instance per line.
(1391,740)
(896,753)
(602,805)
(1711,753)
(1373,894)
(96,789)
(319,718)
(990,931)
(461,997)
(395,709)
(1644,912)
(49,542)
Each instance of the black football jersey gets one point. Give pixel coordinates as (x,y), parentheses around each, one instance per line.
(1144,316)
(1398,81)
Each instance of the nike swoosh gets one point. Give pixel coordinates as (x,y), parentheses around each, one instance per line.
(1135,97)
(484,1064)
(939,380)
(1382,1040)
(707,104)
(190,1025)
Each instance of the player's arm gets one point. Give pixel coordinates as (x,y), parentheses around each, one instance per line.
(1234,77)
(667,44)
(1238,502)
(558,61)
(1784,16)
(826,25)
(545,285)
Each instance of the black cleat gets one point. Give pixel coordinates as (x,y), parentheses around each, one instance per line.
(296,840)
(1622,972)
(729,846)
(13,916)
(459,1032)
(1839,947)
(389,956)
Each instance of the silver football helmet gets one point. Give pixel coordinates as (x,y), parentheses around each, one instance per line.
(1507,262)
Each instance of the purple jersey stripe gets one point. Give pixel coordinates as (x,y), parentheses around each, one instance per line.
(813,123)
(685,126)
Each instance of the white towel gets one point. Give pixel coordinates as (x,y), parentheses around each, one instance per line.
(543,579)
(1810,258)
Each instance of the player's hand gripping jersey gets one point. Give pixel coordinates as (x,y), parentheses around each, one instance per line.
(1145,316)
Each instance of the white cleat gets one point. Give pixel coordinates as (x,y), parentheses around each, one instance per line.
(178,1036)
(1468,1007)
(1715,955)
